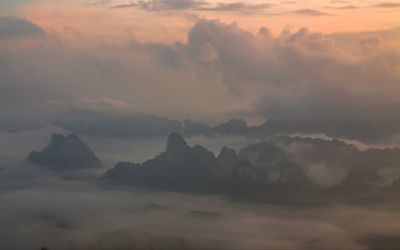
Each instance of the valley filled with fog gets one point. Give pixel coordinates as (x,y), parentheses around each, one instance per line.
(77,209)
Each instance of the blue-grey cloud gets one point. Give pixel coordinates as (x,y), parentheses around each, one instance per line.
(194,5)
(159,5)
(12,27)
(238,7)
(15,2)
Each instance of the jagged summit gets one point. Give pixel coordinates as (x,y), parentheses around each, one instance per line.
(175,139)
(276,169)
(176,144)
(65,152)
(196,169)
(180,168)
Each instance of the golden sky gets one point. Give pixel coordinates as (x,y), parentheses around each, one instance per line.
(102,20)
(167,57)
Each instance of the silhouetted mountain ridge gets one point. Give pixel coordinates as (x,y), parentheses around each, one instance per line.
(195,169)
(277,168)
(65,152)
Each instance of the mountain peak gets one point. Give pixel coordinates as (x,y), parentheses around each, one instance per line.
(55,137)
(65,152)
(176,144)
(227,151)
(227,156)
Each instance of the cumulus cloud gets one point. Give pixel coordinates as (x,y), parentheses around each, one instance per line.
(308,82)
(338,83)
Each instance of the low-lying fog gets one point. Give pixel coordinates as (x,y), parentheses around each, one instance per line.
(40,208)
(70,214)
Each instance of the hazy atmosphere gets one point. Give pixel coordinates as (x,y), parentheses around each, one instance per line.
(199,124)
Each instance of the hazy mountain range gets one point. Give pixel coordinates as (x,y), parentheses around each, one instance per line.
(283,168)
(147,125)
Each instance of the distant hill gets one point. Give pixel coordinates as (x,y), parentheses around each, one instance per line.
(65,152)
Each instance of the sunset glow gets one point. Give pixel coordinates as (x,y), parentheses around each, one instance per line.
(199,124)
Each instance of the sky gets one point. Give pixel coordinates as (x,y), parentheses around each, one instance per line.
(302,61)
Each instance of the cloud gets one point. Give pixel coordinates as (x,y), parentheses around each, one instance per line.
(309,12)
(302,81)
(15,2)
(238,7)
(387,5)
(104,105)
(308,79)
(98,2)
(346,7)
(160,5)
(13,28)
(82,213)
(375,241)
(88,215)
(194,5)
